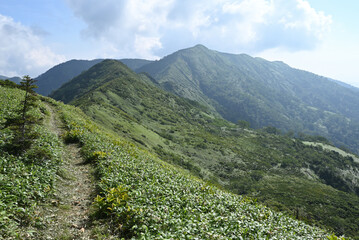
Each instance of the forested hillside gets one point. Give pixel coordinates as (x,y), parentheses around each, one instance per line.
(280,171)
(263,93)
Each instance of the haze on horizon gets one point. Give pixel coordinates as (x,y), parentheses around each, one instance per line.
(319,36)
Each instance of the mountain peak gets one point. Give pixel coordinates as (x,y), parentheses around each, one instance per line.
(97,75)
(200,46)
(195,49)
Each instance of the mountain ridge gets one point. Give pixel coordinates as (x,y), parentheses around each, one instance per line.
(58,75)
(242,160)
(14,79)
(263,93)
(61,73)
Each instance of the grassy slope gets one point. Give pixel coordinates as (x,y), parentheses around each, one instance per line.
(242,160)
(146,197)
(27,179)
(262,92)
(60,74)
(139,195)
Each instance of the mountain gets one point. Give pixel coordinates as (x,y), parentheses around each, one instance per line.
(58,75)
(64,72)
(91,80)
(14,79)
(314,182)
(48,189)
(264,93)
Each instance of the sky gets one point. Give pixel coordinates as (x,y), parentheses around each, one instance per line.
(320,36)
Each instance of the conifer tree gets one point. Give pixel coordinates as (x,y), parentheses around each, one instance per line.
(23,122)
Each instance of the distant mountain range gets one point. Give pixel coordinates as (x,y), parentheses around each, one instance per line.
(14,79)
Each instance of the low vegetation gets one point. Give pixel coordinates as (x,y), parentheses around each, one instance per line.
(184,133)
(26,177)
(263,93)
(141,196)
(234,157)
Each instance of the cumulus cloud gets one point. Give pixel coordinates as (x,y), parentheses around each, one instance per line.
(151,28)
(21,50)
(129,26)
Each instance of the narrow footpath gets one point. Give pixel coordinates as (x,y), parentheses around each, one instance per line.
(68,213)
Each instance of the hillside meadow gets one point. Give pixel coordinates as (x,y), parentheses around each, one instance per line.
(138,195)
(231,156)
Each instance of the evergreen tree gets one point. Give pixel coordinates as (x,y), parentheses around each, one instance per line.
(23,122)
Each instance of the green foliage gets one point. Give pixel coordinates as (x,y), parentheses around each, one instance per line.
(141,196)
(313,138)
(187,134)
(26,179)
(60,74)
(333,237)
(263,93)
(243,124)
(16,80)
(23,122)
(8,83)
(272,130)
(311,202)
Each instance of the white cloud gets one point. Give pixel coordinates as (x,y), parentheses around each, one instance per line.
(151,28)
(250,10)
(314,21)
(129,26)
(308,19)
(143,46)
(21,50)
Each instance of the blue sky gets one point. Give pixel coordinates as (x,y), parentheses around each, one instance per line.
(320,36)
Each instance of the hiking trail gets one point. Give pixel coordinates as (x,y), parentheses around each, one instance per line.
(68,213)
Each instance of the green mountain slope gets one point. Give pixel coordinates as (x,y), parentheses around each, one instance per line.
(139,196)
(91,80)
(64,72)
(149,199)
(301,178)
(60,74)
(264,93)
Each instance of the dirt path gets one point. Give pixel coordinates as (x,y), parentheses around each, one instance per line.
(67,215)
